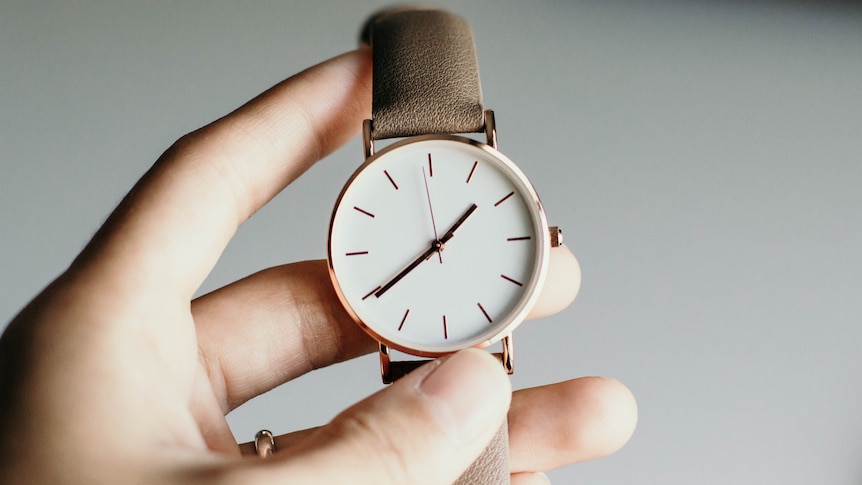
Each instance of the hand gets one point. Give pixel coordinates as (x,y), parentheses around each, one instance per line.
(113,374)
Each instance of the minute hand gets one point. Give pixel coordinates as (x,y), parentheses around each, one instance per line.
(451,232)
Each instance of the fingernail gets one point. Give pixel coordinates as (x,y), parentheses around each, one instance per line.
(469,393)
(541,476)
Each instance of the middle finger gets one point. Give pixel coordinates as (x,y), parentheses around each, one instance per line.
(271,327)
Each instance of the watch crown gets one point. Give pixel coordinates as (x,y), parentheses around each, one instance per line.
(556,236)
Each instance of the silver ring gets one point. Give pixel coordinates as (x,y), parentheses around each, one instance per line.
(264,443)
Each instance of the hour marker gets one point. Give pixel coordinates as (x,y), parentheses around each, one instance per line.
(522,238)
(357,253)
(403,319)
(503,199)
(430,167)
(445,328)
(484,312)
(511,280)
(370,293)
(472,170)
(390,179)
(364,212)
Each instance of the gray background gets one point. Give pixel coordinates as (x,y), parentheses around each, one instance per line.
(705,159)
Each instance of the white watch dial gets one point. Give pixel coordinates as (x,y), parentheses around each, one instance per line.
(437,244)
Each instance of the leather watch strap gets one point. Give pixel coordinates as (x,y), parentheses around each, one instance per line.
(426,81)
(396,369)
(426,78)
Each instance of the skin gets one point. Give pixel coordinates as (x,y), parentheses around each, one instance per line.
(115,374)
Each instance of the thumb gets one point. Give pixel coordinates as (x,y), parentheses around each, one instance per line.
(427,428)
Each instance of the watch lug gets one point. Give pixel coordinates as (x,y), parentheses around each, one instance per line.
(490,128)
(367,138)
(385,368)
(508,354)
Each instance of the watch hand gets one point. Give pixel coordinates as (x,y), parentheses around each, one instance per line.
(435,247)
(451,232)
(431,208)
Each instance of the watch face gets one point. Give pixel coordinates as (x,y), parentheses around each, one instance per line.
(438,243)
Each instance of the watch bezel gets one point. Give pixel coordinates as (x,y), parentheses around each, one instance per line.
(515,318)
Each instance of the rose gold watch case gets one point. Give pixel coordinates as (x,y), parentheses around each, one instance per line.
(498,332)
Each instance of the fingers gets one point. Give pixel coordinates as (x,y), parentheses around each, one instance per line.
(561,284)
(569,422)
(170,230)
(270,327)
(283,322)
(425,429)
(549,426)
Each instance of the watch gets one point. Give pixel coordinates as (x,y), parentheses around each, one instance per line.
(437,242)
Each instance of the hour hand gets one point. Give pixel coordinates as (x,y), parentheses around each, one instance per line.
(451,232)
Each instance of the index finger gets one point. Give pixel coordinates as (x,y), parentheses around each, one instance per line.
(168,233)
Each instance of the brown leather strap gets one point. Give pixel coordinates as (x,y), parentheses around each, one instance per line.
(400,368)
(396,369)
(426,78)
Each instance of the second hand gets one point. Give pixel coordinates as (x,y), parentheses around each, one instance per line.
(431,209)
